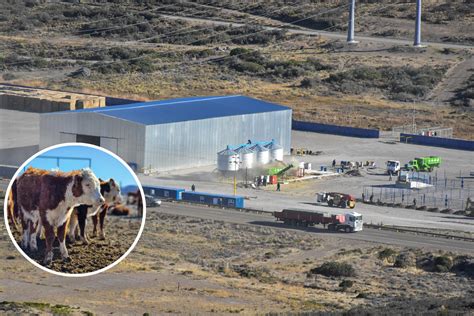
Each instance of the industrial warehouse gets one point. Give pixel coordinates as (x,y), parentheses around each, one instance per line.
(173,134)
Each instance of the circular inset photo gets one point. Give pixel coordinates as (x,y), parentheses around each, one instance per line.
(75,209)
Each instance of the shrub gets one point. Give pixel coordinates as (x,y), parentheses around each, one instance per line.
(334,269)
(308,83)
(405,260)
(239,51)
(247,66)
(345,284)
(362,295)
(387,254)
(464,265)
(442,264)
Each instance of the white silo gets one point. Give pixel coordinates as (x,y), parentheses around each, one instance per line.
(227,160)
(262,154)
(247,157)
(276,151)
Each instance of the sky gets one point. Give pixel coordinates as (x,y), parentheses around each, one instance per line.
(103,165)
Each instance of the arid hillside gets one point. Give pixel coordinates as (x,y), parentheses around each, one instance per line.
(148,50)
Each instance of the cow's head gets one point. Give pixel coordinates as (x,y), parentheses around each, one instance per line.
(110,191)
(86,188)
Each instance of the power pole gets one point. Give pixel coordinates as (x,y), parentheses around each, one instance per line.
(417,42)
(350,27)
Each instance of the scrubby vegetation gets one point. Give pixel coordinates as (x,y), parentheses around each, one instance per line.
(401,83)
(387,254)
(465,95)
(253,62)
(442,263)
(405,260)
(334,269)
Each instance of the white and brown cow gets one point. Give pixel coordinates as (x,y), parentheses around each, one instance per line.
(110,190)
(47,198)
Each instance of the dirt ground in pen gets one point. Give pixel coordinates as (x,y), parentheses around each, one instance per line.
(120,232)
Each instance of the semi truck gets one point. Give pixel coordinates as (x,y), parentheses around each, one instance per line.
(423,163)
(347,222)
(336,199)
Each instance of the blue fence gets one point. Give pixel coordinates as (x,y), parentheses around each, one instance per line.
(451,143)
(163,192)
(213,199)
(335,129)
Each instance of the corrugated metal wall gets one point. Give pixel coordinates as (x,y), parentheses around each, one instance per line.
(168,146)
(127,137)
(195,143)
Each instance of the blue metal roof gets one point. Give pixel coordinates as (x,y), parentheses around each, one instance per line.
(186,109)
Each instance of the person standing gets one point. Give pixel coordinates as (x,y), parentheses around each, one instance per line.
(278,186)
(193,188)
(334,163)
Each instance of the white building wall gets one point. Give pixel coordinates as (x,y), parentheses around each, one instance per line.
(196,143)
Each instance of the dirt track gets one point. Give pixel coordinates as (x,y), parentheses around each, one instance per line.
(120,234)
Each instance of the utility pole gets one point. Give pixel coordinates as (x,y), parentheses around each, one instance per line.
(350,27)
(236,163)
(417,42)
(235,182)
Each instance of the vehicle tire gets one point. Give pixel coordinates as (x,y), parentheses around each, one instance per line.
(331,227)
(347,229)
(343,204)
(330,202)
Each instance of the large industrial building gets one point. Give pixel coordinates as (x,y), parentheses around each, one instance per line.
(171,134)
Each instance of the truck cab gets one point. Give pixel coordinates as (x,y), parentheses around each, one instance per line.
(393,167)
(354,221)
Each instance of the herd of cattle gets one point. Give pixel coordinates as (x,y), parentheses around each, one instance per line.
(58,204)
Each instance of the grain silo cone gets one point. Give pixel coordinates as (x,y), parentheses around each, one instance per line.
(227,160)
(247,157)
(276,151)
(262,154)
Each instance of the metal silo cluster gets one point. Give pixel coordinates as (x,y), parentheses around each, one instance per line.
(249,155)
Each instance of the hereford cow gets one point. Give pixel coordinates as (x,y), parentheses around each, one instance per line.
(47,198)
(12,208)
(110,190)
(136,198)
